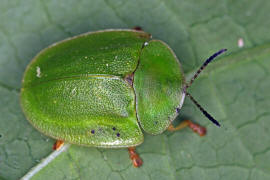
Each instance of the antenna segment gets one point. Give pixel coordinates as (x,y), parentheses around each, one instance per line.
(211,58)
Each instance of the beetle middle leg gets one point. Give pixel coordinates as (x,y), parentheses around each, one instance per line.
(187,123)
(58,144)
(136,160)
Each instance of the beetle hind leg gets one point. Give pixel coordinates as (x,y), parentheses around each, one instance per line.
(58,144)
(136,160)
(187,123)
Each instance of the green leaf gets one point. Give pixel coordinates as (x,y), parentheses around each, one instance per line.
(234,89)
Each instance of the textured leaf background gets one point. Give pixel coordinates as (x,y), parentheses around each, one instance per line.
(235,89)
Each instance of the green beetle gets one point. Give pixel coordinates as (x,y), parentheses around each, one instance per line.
(102,88)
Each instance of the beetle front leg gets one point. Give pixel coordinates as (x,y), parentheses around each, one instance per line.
(136,160)
(137,28)
(187,123)
(58,144)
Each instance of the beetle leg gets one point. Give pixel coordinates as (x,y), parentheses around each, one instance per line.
(136,160)
(58,144)
(137,28)
(187,123)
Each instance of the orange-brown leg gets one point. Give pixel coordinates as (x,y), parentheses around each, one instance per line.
(58,144)
(136,160)
(187,123)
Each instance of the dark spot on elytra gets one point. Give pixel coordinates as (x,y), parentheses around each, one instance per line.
(114,128)
(93,131)
(118,134)
(177,110)
(0,135)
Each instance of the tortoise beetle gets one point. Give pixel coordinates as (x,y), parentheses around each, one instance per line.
(101,89)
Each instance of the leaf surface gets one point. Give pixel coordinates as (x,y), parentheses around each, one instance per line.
(234,89)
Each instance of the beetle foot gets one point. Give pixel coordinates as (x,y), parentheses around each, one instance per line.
(137,28)
(200,130)
(58,144)
(136,160)
(197,128)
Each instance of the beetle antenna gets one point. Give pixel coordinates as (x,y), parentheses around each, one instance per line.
(203,110)
(211,58)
